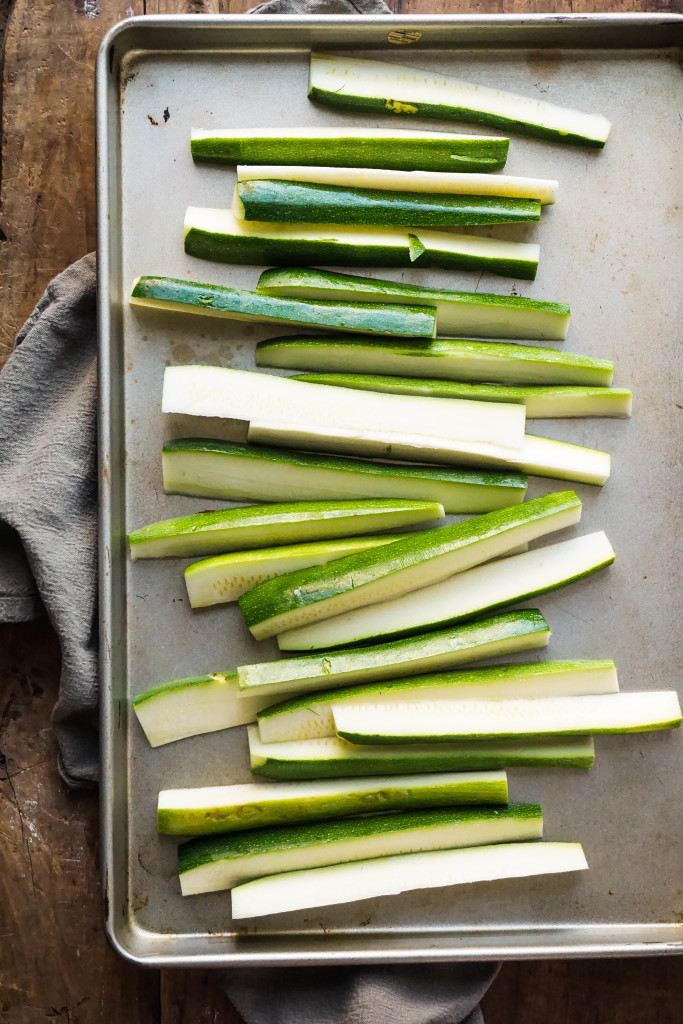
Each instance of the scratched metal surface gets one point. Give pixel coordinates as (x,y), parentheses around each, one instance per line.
(611,247)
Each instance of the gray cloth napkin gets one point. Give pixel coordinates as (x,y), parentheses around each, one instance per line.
(48,565)
(48,499)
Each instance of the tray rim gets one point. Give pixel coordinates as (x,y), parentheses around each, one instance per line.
(434,945)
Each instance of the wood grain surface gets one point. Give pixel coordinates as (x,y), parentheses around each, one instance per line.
(55,963)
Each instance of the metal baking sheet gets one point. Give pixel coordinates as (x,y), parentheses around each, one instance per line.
(612,248)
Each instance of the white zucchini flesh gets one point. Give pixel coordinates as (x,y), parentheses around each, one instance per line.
(538,456)
(544,456)
(190,707)
(332,757)
(462,183)
(205,810)
(389,876)
(502,634)
(463,596)
(244,395)
(375,86)
(311,716)
(441,720)
(225,578)
(209,865)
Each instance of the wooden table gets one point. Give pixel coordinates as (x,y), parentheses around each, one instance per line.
(55,963)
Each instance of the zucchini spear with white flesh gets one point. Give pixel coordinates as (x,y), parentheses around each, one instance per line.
(253,526)
(209,865)
(475,314)
(540,402)
(224,578)
(351,147)
(203,811)
(243,472)
(218,235)
(464,596)
(189,707)
(538,456)
(475,429)
(388,876)
(446,720)
(257,307)
(350,83)
(304,202)
(310,716)
(509,632)
(432,182)
(442,359)
(297,599)
(331,757)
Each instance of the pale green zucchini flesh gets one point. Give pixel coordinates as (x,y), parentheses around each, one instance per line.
(539,402)
(377,87)
(225,578)
(538,456)
(478,591)
(209,865)
(506,633)
(218,235)
(294,202)
(331,757)
(445,720)
(189,707)
(388,876)
(473,314)
(477,429)
(369,577)
(234,304)
(350,147)
(254,526)
(544,456)
(217,469)
(204,811)
(443,359)
(432,182)
(310,716)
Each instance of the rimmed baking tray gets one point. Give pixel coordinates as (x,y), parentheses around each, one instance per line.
(612,248)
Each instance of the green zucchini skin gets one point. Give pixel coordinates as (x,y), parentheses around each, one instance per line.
(230,809)
(321,584)
(206,245)
(439,359)
(479,314)
(254,526)
(508,633)
(562,401)
(332,758)
(459,490)
(235,851)
(393,150)
(218,235)
(237,304)
(343,93)
(302,202)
